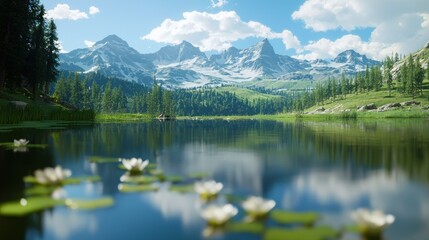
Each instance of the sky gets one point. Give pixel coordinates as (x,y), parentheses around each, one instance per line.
(304,29)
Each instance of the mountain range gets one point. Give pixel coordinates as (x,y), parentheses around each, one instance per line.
(185,66)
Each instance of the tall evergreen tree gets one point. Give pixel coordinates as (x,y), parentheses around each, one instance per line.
(36,60)
(52,52)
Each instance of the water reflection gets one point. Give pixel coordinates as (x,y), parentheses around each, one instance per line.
(331,168)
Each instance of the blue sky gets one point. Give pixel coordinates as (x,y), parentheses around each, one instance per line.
(305,29)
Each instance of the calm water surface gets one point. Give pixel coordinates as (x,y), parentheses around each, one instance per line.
(330,168)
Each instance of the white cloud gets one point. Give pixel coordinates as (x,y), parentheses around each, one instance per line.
(93,10)
(60,47)
(325,48)
(218,3)
(63,11)
(215,31)
(397,26)
(89,43)
(322,15)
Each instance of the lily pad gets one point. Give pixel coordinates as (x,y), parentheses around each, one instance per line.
(29,205)
(198,175)
(182,188)
(285,217)
(245,227)
(136,188)
(140,179)
(89,204)
(98,159)
(67,181)
(231,198)
(152,166)
(352,229)
(10,145)
(174,179)
(317,233)
(40,190)
(156,172)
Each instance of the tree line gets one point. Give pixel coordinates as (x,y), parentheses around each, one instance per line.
(28,46)
(407,80)
(107,95)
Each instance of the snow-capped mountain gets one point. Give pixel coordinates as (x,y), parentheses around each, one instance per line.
(173,54)
(112,57)
(184,65)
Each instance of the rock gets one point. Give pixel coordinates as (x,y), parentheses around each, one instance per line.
(388,106)
(370,106)
(410,103)
(18,104)
(318,110)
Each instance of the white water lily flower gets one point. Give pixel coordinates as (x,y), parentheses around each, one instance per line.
(20,142)
(372,222)
(51,176)
(257,206)
(135,165)
(218,215)
(208,189)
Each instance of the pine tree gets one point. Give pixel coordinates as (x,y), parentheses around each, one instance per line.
(86,104)
(410,76)
(52,52)
(60,92)
(36,60)
(95,97)
(419,75)
(76,92)
(107,103)
(387,74)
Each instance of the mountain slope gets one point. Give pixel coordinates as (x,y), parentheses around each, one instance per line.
(185,66)
(112,57)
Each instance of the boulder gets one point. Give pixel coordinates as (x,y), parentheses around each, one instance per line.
(318,110)
(388,106)
(410,103)
(370,106)
(18,104)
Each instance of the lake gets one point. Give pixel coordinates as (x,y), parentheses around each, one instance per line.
(331,168)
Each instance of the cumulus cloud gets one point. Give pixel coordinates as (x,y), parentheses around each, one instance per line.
(397,26)
(215,31)
(325,48)
(218,3)
(93,10)
(63,11)
(89,43)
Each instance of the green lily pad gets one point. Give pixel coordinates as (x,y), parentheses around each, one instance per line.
(98,159)
(89,204)
(245,227)
(29,205)
(285,217)
(198,175)
(174,179)
(139,179)
(156,172)
(10,145)
(231,198)
(151,166)
(182,188)
(136,188)
(352,229)
(67,181)
(317,233)
(40,190)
